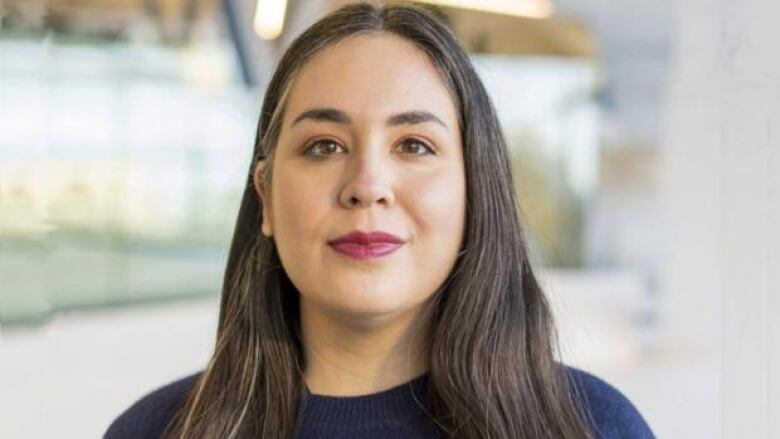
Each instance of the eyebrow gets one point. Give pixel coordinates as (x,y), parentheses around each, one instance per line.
(338,116)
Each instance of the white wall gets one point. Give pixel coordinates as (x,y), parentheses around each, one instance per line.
(722,185)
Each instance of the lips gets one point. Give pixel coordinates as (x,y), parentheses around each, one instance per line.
(361,245)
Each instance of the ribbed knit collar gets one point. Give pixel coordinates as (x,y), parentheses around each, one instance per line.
(399,403)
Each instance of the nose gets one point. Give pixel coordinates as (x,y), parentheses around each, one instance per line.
(368,182)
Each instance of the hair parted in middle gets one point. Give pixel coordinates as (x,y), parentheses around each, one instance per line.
(493,368)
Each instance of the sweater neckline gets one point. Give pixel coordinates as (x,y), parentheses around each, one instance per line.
(400,402)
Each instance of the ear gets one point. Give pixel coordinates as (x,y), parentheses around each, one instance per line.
(257,177)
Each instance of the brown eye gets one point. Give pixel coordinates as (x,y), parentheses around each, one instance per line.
(415,147)
(321,148)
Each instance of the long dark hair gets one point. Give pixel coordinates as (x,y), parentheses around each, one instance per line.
(493,372)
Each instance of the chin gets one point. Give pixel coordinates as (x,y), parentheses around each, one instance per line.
(372,304)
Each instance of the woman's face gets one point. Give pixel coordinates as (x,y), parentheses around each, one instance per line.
(370,142)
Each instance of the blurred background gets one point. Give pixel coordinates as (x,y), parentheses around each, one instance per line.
(126,129)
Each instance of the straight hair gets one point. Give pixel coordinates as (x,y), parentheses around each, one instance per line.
(493,371)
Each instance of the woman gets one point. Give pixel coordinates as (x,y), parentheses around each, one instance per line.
(378,283)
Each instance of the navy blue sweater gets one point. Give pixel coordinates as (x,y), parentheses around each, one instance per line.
(391,413)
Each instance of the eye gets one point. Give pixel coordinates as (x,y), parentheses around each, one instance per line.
(415,147)
(322,147)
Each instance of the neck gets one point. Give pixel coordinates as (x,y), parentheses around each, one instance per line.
(348,355)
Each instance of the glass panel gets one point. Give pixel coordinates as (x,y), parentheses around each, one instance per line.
(123,152)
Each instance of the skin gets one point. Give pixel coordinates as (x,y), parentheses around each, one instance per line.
(362,328)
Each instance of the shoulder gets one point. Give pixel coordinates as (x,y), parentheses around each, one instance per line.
(148,417)
(612,413)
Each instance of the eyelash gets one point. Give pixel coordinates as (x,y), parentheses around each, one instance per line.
(308,150)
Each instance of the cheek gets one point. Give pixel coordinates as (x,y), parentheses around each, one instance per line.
(297,204)
(439,209)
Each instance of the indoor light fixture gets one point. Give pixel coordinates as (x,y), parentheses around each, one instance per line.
(269,18)
(520,8)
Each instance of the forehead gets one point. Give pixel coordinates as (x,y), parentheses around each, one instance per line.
(371,75)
